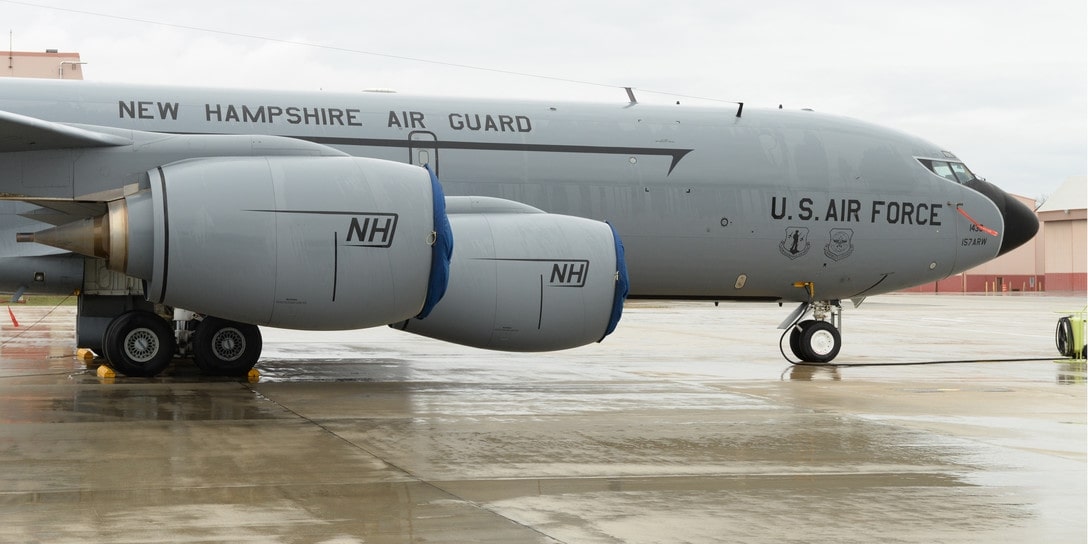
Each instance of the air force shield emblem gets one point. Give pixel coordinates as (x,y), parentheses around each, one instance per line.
(841,244)
(796,243)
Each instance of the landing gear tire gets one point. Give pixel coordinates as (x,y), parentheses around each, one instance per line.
(815,341)
(226,348)
(139,343)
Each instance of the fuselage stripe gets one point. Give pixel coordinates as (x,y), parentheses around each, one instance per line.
(675,154)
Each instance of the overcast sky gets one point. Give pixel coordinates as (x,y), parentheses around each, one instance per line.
(1001,83)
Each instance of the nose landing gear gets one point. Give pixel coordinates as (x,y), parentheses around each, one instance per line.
(815,340)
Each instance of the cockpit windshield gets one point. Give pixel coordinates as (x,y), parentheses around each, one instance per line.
(953,171)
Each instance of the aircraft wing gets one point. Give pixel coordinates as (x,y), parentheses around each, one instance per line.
(22,133)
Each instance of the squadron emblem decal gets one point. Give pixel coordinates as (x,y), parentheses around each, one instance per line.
(796,243)
(841,244)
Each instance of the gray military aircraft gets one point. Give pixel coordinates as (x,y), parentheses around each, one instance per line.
(185,217)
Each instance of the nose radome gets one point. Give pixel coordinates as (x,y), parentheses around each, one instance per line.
(1021,224)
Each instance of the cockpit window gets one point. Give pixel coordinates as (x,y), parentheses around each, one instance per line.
(953,171)
(942,169)
(962,173)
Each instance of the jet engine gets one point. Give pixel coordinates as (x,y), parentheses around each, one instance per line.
(293,242)
(528,282)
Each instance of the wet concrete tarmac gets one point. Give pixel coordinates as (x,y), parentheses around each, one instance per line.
(684,426)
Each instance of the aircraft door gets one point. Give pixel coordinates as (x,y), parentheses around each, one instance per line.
(423,149)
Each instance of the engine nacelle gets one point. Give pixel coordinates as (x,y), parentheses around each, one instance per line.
(295,242)
(527,282)
(305,243)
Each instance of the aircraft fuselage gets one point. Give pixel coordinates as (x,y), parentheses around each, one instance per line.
(709,203)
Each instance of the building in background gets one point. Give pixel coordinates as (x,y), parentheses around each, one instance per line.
(1065,236)
(48,65)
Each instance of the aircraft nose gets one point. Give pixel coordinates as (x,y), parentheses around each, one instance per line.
(1021,224)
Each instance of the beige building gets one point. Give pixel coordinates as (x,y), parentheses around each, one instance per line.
(1065,236)
(48,65)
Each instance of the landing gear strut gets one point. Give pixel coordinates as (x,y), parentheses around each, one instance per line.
(816,340)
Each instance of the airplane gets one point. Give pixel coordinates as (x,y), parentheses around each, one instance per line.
(187,217)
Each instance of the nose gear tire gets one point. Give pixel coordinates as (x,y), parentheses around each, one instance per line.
(815,341)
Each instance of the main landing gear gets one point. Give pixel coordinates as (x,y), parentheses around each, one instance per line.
(139,343)
(815,340)
(142,343)
(225,348)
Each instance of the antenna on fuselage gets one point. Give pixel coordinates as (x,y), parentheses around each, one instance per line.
(740,108)
(630,96)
